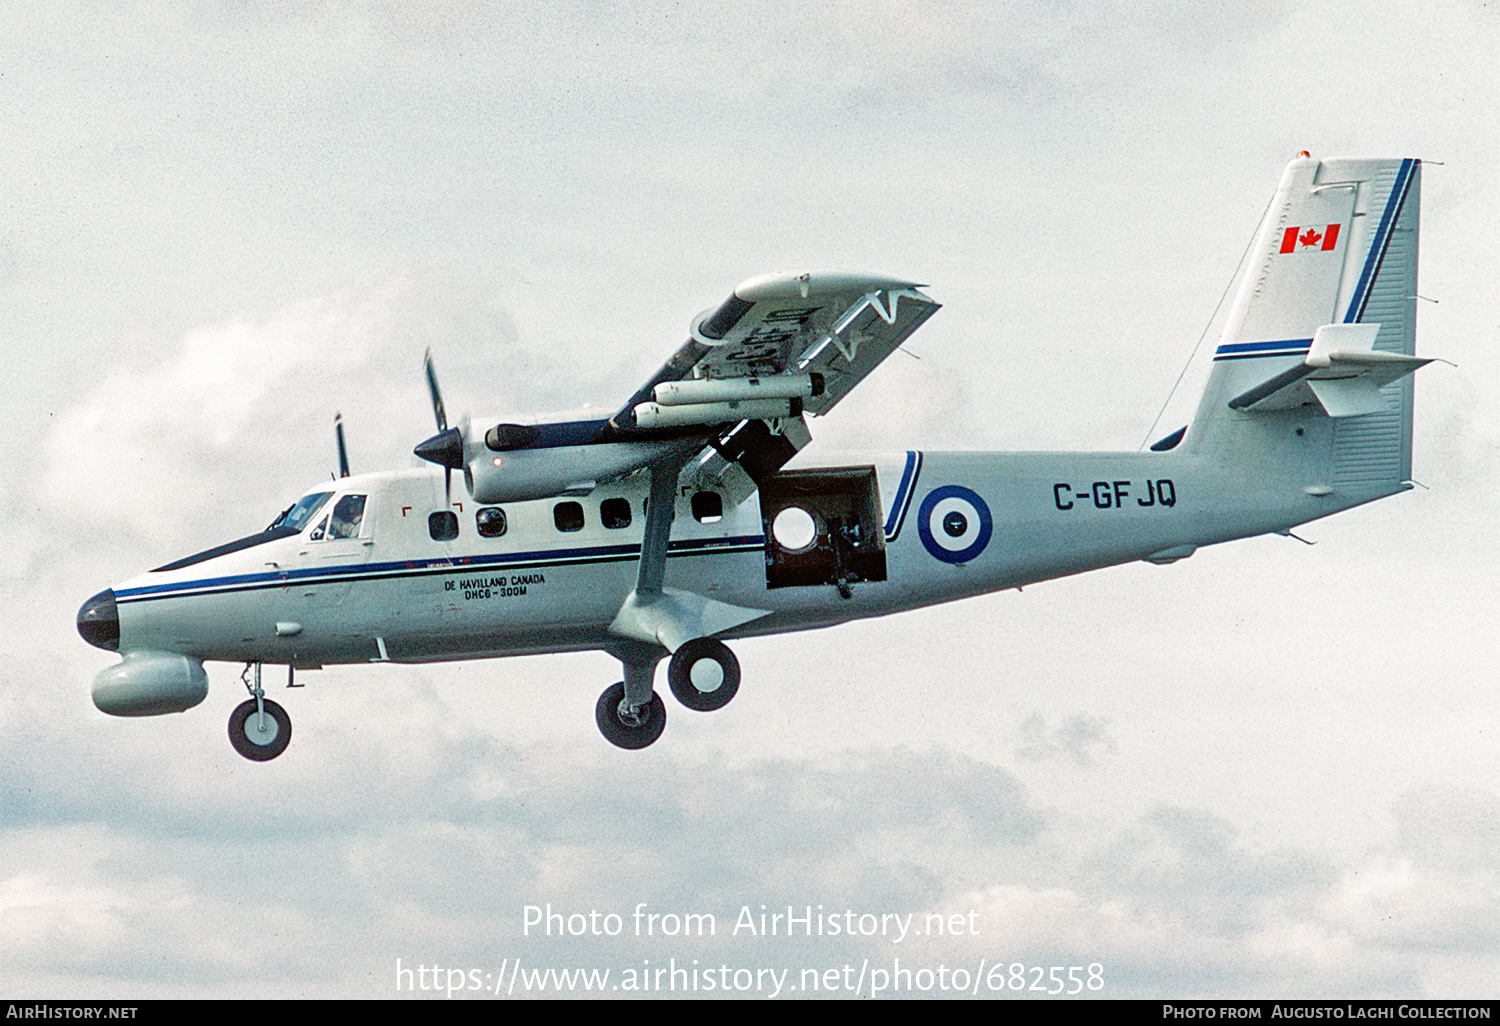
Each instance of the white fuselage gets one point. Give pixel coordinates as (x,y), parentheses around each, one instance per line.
(392,592)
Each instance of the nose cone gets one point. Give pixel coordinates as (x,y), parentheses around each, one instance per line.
(99,621)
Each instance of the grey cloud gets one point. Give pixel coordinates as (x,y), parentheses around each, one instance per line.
(180,885)
(1080,738)
(1449,829)
(1436,885)
(1189,865)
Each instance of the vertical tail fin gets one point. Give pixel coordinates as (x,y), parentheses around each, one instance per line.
(1338,248)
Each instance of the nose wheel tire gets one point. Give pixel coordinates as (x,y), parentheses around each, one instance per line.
(256,739)
(629,729)
(704,674)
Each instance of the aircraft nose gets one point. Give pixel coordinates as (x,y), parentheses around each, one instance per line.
(99,621)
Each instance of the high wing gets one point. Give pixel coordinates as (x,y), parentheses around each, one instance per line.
(831,327)
(728,407)
(781,346)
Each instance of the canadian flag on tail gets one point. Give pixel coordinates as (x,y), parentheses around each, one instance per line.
(1316,237)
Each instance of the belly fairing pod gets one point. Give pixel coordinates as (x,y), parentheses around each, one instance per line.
(150,684)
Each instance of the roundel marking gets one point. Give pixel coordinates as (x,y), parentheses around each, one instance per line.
(954,524)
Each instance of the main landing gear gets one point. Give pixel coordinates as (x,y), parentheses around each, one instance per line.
(259,729)
(704,675)
(629,726)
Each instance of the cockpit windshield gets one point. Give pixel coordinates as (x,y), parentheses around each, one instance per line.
(296,516)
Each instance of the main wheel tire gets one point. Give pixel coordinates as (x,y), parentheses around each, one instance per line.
(626,735)
(253,743)
(704,674)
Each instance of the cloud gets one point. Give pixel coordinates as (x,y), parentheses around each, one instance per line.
(176,896)
(1178,904)
(1436,886)
(211,439)
(1078,738)
(423,835)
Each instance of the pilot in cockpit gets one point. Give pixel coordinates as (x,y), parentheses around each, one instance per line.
(347,513)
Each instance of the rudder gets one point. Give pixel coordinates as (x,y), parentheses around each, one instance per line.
(1337,248)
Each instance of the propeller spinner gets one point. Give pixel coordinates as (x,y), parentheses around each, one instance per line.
(446,448)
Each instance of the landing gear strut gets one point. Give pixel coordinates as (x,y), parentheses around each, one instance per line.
(259,729)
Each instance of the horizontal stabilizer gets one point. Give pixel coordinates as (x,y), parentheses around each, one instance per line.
(1342,373)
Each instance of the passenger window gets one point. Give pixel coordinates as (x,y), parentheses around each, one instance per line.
(615,513)
(319,531)
(568,516)
(489,522)
(346,517)
(443,526)
(708,507)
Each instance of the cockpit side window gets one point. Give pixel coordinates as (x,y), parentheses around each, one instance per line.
(347,514)
(319,532)
(297,515)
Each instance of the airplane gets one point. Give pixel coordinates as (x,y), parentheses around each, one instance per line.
(674,525)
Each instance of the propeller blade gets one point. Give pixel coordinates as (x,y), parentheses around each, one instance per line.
(338,431)
(463,433)
(439,411)
(446,448)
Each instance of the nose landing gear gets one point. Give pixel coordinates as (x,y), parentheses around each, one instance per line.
(259,729)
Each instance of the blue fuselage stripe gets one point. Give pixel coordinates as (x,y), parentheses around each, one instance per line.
(350,572)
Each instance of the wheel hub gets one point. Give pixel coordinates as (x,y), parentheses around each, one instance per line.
(261,729)
(633,715)
(707,675)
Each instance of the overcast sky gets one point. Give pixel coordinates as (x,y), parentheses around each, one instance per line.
(1269,770)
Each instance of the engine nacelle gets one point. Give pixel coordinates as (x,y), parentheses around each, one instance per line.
(150,684)
(524,474)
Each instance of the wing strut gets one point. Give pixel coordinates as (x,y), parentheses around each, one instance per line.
(661,510)
(662,617)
